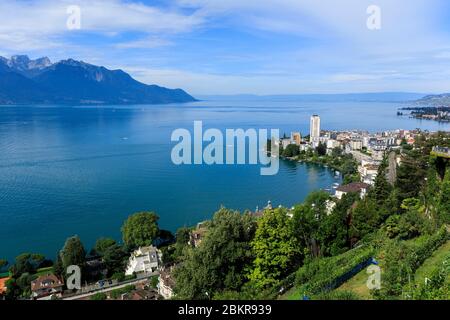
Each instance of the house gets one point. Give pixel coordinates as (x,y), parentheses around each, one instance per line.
(166,283)
(95,267)
(144,260)
(46,285)
(357,187)
(140,294)
(368,172)
(196,236)
(330,205)
(285,142)
(356,144)
(296,137)
(3,287)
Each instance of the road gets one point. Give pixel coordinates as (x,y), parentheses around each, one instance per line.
(119,286)
(359,156)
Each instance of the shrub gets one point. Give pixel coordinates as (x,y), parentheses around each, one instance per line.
(115,294)
(403,259)
(337,295)
(99,296)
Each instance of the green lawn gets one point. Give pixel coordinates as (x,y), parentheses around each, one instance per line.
(357,285)
(432,263)
(292,294)
(44,271)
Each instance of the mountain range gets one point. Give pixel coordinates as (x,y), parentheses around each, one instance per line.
(26,81)
(337,97)
(436,100)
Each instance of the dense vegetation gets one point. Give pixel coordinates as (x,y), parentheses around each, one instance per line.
(336,159)
(315,249)
(138,230)
(310,249)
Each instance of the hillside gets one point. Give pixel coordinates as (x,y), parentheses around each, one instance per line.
(435,100)
(25,81)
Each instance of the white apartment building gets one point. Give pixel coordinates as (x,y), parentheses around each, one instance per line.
(144,260)
(314,129)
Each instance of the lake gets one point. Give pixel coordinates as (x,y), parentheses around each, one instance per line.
(83,170)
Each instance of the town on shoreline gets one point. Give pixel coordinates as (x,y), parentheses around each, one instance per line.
(143,267)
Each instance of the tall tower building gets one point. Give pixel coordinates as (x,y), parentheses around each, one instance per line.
(314,130)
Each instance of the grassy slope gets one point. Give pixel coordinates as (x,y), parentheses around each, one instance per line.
(432,262)
(358,285)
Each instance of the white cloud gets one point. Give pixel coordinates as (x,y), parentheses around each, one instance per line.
(146,43)
(335,52)
(42,24)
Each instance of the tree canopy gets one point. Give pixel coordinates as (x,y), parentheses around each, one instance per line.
(219,263)
(140,229)
(73,253)
(275,247)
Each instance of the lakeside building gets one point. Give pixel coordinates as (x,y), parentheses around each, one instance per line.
(296,138)
(368,170)
(166,283)
(356,187)
(285,142)
(144,260)
(314,130)
(46,286)
(368,149)
(3,286)
(196,236)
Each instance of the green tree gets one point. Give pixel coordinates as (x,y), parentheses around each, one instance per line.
(59,267)
(114,258)
(382,189)
(3,263)
(410,175)
(275,247)
(321,149)
(102,244)
(219,263)
(307,219)
(73,253)
(140,229)
(333,232)
(291,150)
(26,263)
(23,282)
(306,225)
(182,239)
(99,296)
(336,152)
(444,200)
(365,219)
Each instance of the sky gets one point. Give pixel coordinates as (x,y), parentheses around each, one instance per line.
(244,46)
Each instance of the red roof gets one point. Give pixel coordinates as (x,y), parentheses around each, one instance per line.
(47,281)
(353,187)
(3,284)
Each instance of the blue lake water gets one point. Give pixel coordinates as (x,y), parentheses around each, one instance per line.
(83,170)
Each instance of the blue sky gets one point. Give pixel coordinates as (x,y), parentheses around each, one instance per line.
(245,46)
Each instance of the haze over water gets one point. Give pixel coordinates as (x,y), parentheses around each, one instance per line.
(83,170)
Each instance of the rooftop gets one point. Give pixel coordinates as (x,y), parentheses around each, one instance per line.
(46,281)
(353,187)
(3,284)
